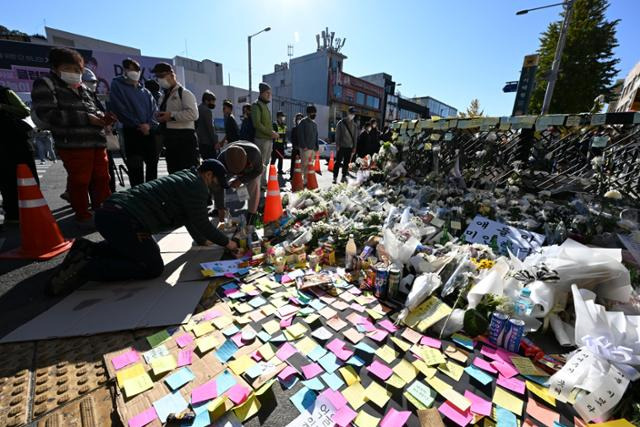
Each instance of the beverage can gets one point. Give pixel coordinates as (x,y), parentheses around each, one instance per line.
(394,282)
(382,277)
(513,335)
(497,327)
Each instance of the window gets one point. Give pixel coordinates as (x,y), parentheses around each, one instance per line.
(337,91)
(360,98)
(281,82)
(373,101)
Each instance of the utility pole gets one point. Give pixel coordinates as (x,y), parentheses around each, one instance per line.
(555,66)
(249,51)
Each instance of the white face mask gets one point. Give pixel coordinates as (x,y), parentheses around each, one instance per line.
(92,86)
(164,83)
(351,116)
(72,79)
(133,75)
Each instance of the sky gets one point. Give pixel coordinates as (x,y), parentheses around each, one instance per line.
(452,50)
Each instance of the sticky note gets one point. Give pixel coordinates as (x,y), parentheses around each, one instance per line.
(238,393)
(311,370)
(426,370)
(202,328)
(456,399)
(314,384)
(336,323)
(478,375)
(158,338)
(287,372)
(317,353)
(266,351)
(241,364)
(184,340)
(230,330)
(335,397)
(484,365)
(377,394)
(352,335)
(541,392)
(354,395)
(271,327)
(387,354)
(479,405)
(206,343)
(332,380)
(512,384)
(337,347)
(130,372)
(297,330)
(303,399)
(386,324)
(179,378)
(614,423)
(362,346)
(136,385)
(422,393)
(322,333)
(172,403)
(204,392)
(463,340)
(525,366)
(125,359)
(452,370)
(438,385)
(349,375)
(306,345)
(396,382)
(248,409)
(163,364)
(462,418)
(505,369)
(329,362)
(380,370)
(507,401)
(456,354)
(226,351)
(143,418)
(402,345)
(395,418)
(158,351)
(222,322)
(365,420)
(411,335)
(430,355)
(430,342)
(544,415)
(285,351)
(405,370)
(184,357)
(505,418)
(344,416)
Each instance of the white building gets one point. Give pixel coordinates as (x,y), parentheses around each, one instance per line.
(630,95)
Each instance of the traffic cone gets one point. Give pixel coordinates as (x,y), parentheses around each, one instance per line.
(273,202)
(317,164)
(297,182)
(331,164)
(312,182)
(40,236)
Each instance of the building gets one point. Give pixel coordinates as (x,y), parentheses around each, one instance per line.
(57,37)
(385,81)
(200,75)
(436,108)
(411,110)
(629,99)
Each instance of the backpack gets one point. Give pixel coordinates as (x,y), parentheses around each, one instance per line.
(41,124)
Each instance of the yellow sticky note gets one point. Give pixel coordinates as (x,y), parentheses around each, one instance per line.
(377,394)
(456,354)
(452,370)
(241,364)
(365,420)
(438,385)
(248,409)
(430,356)
(222,322)
(137,385)
(306,345)
(396,382)
(349,374)
(424,368)
(525,366)
(130,372)
(266,351)
(488,422)
(541,392)
(163,364)
(268,310)
(508,401)
(206,343)
(264,387)
(402,344)
(217,407)
(312,318)
(297,330)
(375,314)
(405,370)
(455,398)
(243,308)
(354,395)
(243,320)
(427,313)
(415,402)
(202,328)
(271,327)
(387,354)
(614,423)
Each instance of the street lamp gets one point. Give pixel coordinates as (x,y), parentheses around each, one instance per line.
(555,66)
(249,44)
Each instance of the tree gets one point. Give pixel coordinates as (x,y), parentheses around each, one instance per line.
(473,110)
(587,66)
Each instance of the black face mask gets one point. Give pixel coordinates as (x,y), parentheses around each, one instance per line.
(312,116)
(211,106)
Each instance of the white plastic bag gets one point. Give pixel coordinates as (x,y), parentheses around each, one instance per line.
(398,251)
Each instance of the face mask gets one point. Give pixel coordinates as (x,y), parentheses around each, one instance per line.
(312,116)
(351,116)
(164,83)
(211,106)
(133,75)
(374,126)
(92,86)
(72,79)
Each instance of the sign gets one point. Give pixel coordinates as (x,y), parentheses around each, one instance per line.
(319,415)
(525,85)
(503,238)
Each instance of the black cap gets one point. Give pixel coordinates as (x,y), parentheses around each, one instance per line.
(279,114)
(352,110)
(162,67)
(218,169)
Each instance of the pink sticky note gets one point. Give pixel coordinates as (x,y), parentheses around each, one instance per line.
(344,416)
(479,405)
(125,359)
(484,365)
(336,346)
(143,418)
(285,351)
(378,335)
(206,391)
(311,370)
(380,370)
(367,325)
(431,342)
(388,325)
(184,340)
(184,357)
(505,369)
(286,373)
(238,393)
(335,397)
(213,314)
(256,356)
(462,418)
(228,292)
(287,310)
(286,322)
(512,384)
(357,307)
(237,339)
(411,335)
(395,418)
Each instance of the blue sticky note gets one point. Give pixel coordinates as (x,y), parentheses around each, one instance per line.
(361,329)
(201,407)
(226,351)
(538,380)
(202,420)
(314,384)
(242,271)
(306,311)
(317,304)
(355,361)
(557,424)
(317,353)
(237,295)
(329,362)
(465,342)
(264,337)
(230,330)
(365,347)
(505,418)
(179,378)
(228,286)
(478,374)
(224,382)
(278,338)
(333,380)
(303,399)
(289,382)
(172,403)
(255,371)
(257,302)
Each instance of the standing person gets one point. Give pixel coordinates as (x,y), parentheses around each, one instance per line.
(44,145)
(363,141)
(205,129)
(231,132)
(295,151)
(177,116)
(346,142)
(247,131)
(14,150)
(374,137)
(386,134)
(153,87)
(243,160)
(135,107)
(280,143)
(77,124)
(261,118)
(308,138)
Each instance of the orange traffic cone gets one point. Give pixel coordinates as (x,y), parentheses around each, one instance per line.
(40,236)
(273,202)
(317,164)
(312,182)
(331,163)
(297,182)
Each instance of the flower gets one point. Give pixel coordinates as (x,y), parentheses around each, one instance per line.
(613,194)
(597,161)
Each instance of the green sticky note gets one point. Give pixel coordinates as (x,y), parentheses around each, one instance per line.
(158,338)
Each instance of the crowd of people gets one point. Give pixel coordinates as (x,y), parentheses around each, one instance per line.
(152,116)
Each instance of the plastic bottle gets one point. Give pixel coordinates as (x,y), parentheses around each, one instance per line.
(350,252)
(524,304)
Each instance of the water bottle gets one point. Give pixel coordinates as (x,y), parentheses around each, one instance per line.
(524,304)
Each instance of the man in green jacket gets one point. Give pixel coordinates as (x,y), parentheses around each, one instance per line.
(261,117)
(127,221)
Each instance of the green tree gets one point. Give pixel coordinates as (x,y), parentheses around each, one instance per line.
(473,110)
(587,66)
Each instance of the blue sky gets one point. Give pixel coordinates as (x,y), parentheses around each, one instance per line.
(453,50)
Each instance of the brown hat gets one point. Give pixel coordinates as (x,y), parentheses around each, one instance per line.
(235,159)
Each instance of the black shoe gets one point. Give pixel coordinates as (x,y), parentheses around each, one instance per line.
(335,181)
(82,248)
(68,279)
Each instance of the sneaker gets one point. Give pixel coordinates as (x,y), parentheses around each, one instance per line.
(82,248)
(68,279)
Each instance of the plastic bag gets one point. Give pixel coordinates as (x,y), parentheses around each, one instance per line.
(398,251)
(422,288)
(450,324)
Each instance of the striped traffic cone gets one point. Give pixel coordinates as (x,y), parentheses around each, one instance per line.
(331,163)
(312,182)
(317,164)
(297,181)
(273,202)
(40,236)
